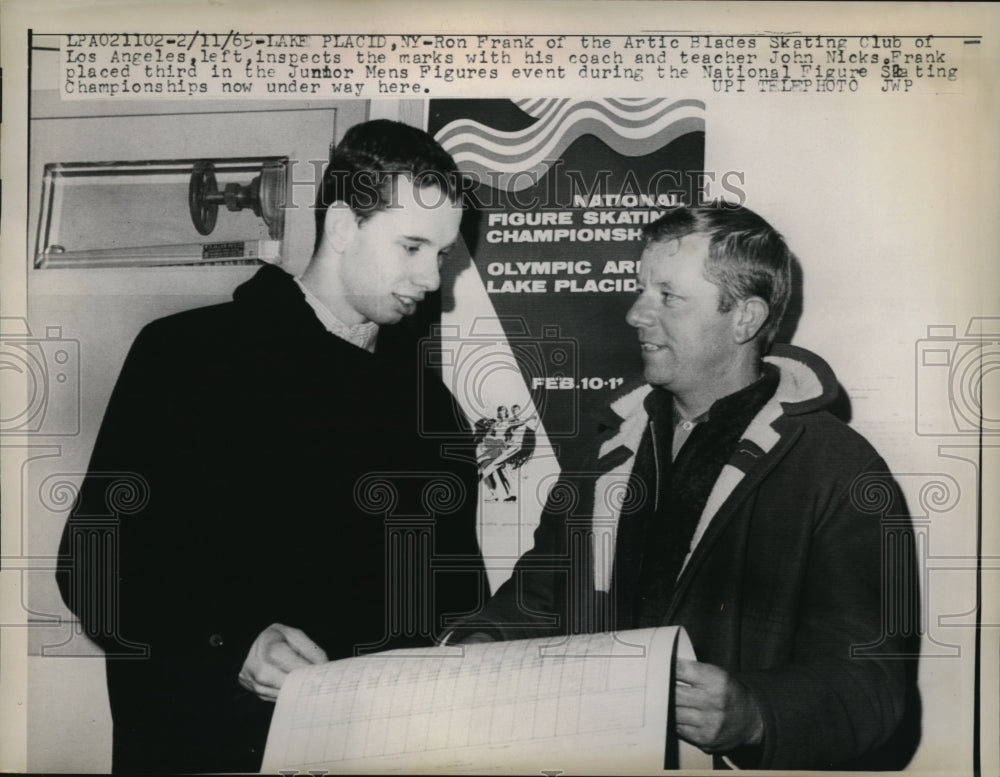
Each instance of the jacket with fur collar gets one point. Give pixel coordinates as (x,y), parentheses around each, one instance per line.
(788,583)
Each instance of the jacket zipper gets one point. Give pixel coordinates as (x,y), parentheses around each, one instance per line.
(656,467)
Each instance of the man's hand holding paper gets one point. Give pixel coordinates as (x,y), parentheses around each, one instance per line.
(277,651)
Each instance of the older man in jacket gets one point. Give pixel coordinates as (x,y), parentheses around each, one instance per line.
(722,496)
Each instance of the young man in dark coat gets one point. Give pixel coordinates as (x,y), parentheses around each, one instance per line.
(272,500)
(723,497)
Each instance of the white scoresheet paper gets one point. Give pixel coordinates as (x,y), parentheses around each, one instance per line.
(581,704)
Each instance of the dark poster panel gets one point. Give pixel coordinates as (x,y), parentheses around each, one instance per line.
(561,191)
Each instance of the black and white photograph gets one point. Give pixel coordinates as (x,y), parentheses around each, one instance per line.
(572,387)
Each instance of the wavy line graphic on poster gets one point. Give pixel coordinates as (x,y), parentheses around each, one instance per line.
(512,160)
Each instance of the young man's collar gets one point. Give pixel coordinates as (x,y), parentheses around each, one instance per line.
(362,335)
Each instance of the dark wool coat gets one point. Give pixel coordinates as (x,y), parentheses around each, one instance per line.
(253,468)
(801,580)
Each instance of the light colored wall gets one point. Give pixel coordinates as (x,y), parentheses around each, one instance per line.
(877,248)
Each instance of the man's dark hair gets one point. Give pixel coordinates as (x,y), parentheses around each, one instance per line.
(747,257)
(364,166)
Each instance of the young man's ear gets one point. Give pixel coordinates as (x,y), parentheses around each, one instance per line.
(339,225)
(751,315)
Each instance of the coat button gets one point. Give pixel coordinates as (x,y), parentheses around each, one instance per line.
(215,640)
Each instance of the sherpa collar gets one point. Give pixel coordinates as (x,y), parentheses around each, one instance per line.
(806,384)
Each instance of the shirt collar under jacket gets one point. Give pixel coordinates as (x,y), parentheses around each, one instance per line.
(362,335)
